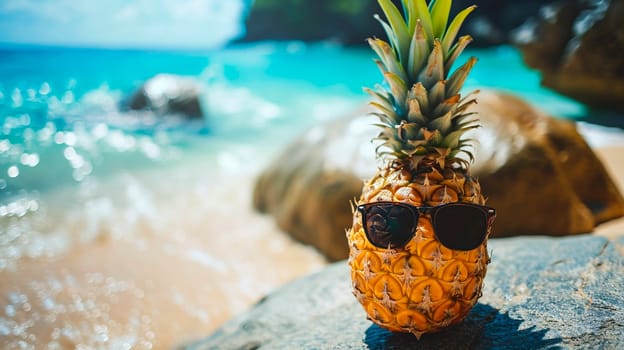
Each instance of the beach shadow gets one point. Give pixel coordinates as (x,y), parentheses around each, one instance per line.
(603,117)
(484,328)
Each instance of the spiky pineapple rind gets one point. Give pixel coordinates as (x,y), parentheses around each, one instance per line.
(391,283)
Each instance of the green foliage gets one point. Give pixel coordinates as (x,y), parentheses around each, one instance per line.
(347,7)
(340,7)
(268,4)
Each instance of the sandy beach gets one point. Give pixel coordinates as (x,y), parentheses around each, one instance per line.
(155,266)
(152,266)
(608,144)
(126,218)
(613,159)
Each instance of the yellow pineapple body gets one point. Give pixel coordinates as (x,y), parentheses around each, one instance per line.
(423,286)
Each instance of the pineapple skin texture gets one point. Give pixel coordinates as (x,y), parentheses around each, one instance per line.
(423,287)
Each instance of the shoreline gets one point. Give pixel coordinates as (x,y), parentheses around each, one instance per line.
(150,267)
(164,265)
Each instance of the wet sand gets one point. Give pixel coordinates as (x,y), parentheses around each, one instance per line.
(119,295)
(155,264)
(166,264)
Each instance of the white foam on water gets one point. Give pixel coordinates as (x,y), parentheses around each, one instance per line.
(143,259)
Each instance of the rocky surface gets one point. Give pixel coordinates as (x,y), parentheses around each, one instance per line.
(537,171)
(167,94)
(351,21)
(539,293)
(577,46)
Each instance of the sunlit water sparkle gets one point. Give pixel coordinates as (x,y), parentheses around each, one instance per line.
(124,229)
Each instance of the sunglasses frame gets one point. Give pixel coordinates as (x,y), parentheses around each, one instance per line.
(489,213)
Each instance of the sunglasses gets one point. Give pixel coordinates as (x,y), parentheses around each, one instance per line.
(458,226)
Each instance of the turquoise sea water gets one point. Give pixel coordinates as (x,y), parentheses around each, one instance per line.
(124,229)
(61,120)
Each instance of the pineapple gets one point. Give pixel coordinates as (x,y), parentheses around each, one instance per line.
(422,285)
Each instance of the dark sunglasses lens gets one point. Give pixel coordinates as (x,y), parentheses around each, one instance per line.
(460,227)
(389,225)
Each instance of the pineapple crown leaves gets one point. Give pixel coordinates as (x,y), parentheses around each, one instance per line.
(420,109)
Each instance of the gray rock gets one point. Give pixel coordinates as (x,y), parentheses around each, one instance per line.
(169,94)
(539,293)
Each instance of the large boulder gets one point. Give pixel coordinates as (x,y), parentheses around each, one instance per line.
(351,21)
(537,171)
(539,293)
(166,94)
(577,46)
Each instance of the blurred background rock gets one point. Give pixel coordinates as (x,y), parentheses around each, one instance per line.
(575,44)
(129,223)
